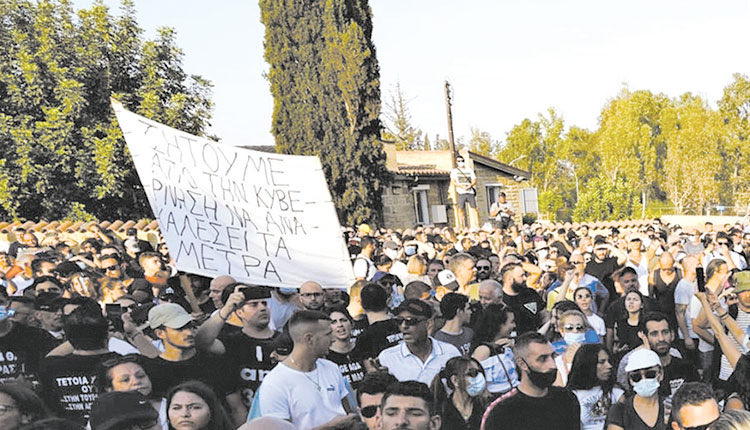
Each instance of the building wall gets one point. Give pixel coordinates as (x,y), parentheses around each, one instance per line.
(511,188)
(398,201)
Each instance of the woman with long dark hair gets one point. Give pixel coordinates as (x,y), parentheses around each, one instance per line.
(126,373)
(491,347)
(458,391)
(193,405)
(591,379)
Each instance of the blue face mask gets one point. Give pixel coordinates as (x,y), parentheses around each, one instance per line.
(287,291)
(646,387)
(476,385)
(571,338)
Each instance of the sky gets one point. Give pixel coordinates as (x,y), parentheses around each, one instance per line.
(505,60)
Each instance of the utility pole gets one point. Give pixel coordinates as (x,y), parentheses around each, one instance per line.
(450,123)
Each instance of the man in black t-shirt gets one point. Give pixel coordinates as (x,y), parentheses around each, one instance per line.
(607,259)
(383,332)
(249,351)
(21,347)
(526,304)
(535,403)
(69,381)
(181,361)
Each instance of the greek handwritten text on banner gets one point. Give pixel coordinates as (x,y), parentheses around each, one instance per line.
(258,217)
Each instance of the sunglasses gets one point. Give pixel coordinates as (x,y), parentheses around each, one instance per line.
(410,322)
(109,268)
(369,411)
(649,374)
(473,372)
(578,328)
(112,362)
(702,427)
(483,268)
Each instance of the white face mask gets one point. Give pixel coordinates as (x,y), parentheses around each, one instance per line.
(391,253)
(571,338)
(476,385)
(646,387)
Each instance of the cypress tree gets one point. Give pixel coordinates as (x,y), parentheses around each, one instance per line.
(324,78)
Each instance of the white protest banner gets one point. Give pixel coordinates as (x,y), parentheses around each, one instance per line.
(258,217)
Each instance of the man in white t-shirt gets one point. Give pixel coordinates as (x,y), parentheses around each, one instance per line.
(683,295)
(306,389)
(464,180)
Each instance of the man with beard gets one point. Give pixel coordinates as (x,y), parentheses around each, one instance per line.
(311,296)
(525,303)
(484,269)
(282,305)
(535,403)
(657,335)
(607,259)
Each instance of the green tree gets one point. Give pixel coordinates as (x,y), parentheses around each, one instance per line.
(63,152)
(324,78)
(693,134)
(734,108)
(482,143)
(398,123)
(630,141)
(605,200)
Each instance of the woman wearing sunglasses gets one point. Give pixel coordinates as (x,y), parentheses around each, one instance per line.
(591,379)
(645,409)
(125,373)
(491,346)
(572,326)
(464,407)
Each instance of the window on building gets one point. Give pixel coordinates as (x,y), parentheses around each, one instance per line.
(529,200)
(493,191)
(421,204)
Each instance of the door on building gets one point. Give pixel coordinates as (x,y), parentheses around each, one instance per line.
(421,204)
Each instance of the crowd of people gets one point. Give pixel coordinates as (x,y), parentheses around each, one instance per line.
(512,327)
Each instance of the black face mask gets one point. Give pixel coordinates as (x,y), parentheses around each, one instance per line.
(542,379)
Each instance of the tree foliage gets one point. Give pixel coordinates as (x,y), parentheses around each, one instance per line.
(62,151)
(324,79)
(678,151)
(398,123)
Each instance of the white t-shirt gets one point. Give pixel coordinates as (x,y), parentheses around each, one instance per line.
(500,372)
(743,321)
(597,323)
(463,179)
(683,295)
(406,366)
(593,410)
(642,271)
(306,399)
(363,267)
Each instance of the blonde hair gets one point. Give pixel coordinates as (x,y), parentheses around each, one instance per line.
(572,313)
(416,265)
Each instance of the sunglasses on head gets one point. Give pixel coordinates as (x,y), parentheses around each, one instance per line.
(702,427)
(637,376)
(410,322)
(473,372)
(369,411)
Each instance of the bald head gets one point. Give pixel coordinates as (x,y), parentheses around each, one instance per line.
(666,261)
(217,286)
(311,295)
(489,292)
(267,423)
